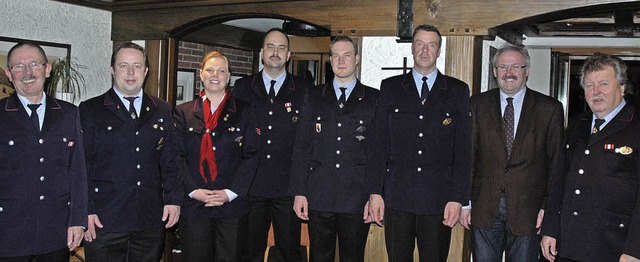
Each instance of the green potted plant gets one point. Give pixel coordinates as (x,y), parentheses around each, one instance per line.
(65,81)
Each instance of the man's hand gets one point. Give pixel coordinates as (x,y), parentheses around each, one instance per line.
(74,237)
(539,221)
(374,210)
(465,218)
(628,258)
(204,195)
(548,245)
(218,198)
(451,213)
(171,215)
(301,206)
(94,222)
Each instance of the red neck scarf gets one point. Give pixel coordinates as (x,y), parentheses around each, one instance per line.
(206,145)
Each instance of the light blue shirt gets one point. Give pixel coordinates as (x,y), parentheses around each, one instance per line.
(137,104)
(279,81)
(431,79)
(518,99)
(41,110)
(350,86)
(606,118)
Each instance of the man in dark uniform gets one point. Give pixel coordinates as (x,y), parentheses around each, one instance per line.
(421,158)
(329,162)
(277,97)
(517,138)
(135,186)
(593,209)
(43,195)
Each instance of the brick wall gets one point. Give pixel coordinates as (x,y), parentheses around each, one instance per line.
(190,55)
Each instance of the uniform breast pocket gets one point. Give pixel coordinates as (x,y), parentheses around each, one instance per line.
(11,146)
(618,164)
(109,136)
(400,120)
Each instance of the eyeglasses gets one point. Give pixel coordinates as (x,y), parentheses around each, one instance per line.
(512,67)
(17,68)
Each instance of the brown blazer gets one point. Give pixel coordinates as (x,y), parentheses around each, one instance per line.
(525,177)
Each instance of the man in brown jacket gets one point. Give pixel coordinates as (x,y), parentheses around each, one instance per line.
(517,135)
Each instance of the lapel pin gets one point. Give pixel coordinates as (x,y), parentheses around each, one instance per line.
(625,150)
(294,119)
(318,127)
(147,108)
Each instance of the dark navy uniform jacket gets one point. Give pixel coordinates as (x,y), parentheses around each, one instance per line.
(329,161)
(42,178)
(422,153)
(235,144)
(133,166)
(277,122)
(593,209)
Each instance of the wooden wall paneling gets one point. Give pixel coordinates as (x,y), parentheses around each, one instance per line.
(152,47)
(463,61)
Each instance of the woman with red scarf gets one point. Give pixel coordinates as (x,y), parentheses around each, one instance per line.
(219,143)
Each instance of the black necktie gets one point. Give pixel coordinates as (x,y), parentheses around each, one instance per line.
(343,97)
(508,122)
(132,109)
(272,91)
(424,92)
(596,127)
(34,115)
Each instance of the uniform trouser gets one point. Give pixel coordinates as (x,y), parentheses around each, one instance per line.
(61,255)
(210,239)
(488,245)
(286,229)
(350,230)
(401,229)
(138,246)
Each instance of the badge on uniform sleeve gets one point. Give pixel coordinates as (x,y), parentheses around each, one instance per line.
(625,150)
(288,106)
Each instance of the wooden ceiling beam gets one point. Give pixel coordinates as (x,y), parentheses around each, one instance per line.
(226,36)
(345,17)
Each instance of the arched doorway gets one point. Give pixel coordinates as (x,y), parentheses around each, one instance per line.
(239,37)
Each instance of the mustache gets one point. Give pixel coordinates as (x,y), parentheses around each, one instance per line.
(511,77)
(27,78)
(275,56)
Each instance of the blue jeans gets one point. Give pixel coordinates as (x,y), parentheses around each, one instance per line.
(488,245)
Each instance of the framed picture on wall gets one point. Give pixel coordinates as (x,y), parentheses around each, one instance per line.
(233,78)
(179,92)
(185,85)
(54,51)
